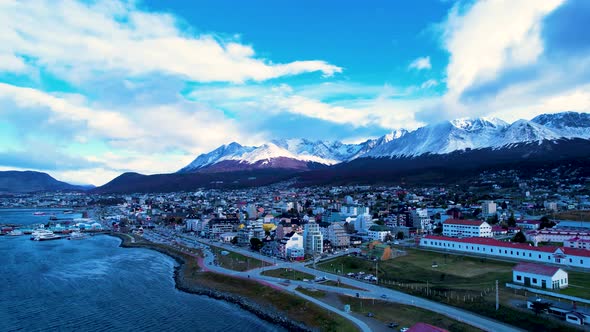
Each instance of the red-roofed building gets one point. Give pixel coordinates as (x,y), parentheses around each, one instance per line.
(577,242)
(539,275)
(466,228)
(490,247)
(498,230)
(423,327)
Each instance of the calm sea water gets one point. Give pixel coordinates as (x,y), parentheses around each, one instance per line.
(93,285)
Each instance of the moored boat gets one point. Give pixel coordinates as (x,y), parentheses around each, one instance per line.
(47,237)
(15,232)
(77,236)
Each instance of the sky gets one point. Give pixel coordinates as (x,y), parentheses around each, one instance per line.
(92,89)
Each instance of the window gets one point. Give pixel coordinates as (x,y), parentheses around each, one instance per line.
(519,278)
(581,262)
(570,260)
(530,255)
(534,280)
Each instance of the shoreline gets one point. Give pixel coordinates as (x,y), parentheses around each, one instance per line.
(266,314)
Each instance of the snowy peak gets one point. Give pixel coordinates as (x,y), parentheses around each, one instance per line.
(470,124)
(440,138)
(563,120)
(223,152)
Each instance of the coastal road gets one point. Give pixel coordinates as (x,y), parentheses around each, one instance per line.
(369,290)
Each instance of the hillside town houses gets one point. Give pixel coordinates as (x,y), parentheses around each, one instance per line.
(296,223)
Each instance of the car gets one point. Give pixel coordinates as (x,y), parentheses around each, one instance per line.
(383,296)
(392,325)
(370,314)
(404,329)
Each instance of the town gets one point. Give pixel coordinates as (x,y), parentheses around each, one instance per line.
(529,238)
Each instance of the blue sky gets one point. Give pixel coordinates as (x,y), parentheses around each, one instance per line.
(91,89)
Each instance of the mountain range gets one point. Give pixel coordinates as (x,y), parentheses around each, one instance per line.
(441,138)
(436,153)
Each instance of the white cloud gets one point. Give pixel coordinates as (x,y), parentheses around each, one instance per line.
(492,36)
(77,40)
(429,84)
(421,63)
(382,110)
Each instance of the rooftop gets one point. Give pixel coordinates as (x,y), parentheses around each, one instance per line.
(545,270)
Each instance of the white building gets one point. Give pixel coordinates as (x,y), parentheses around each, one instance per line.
(550,205)
(420,220)
(576,242)
(558,234)
(378,233)
(313,239)
(488,208)
(466,228)
(490,247)
(539,275)
(291,243)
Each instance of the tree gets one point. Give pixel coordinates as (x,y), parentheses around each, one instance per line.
(511,220)
(438,229)
(255,243)
(493,219)
(379,222)
(400,235)
(388,238)
(546,223)
(234,240)
(519,238)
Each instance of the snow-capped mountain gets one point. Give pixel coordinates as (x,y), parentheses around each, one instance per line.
(441,138)
(566,124)
(229,151)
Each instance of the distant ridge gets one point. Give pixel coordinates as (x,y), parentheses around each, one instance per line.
(31,181)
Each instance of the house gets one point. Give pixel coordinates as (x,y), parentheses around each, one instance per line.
(466,228)
(529,224)
(540,275)
(498,230)
(291,243)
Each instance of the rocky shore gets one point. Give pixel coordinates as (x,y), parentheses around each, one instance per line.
(265,313)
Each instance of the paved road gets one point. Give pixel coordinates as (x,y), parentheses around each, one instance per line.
(369,290)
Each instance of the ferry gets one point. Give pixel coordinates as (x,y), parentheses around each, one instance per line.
(39,213)
(40,231)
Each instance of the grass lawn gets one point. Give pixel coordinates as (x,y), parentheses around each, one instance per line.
(461,281)
(235,261)
(579,285)
(318,294)
(294,307)
(403,315)
(453,271)
(288,274)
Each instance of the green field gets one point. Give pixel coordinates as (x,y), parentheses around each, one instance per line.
(460,281)
(235,261)
(404,315)
(288,274)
